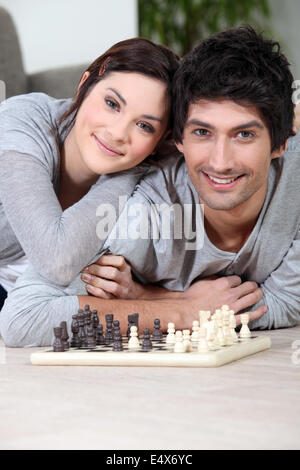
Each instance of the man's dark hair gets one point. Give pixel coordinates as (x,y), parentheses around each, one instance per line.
(242,66)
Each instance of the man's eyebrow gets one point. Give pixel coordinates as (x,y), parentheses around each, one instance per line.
(145,116)
(254,123)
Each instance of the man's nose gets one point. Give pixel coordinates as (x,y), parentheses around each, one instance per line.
(221,157)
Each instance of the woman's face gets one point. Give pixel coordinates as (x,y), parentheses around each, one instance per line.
(120,122)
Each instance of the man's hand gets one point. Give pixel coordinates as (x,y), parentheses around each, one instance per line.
(109,278)
(211,293)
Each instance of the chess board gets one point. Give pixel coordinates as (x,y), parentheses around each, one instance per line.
(161,355)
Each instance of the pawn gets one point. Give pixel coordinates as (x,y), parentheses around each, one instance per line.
(65,336)
(146,344)
(186,338)
(245,332)
(91,341)
(232,325)
(99,335)
(157,333)
(179,346)
(203,344)
(195,331)
(171,334)
(117,345)
(133,342)
(58,344)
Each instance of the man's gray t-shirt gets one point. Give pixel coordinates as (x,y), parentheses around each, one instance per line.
(271,255)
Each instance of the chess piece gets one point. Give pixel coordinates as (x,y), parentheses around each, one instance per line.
(220,334)
(95,321)
(91,341)
(65,336)
(186,339)
(195,330)
(75,341)
(116,327)
(117,345)
(146,344)
(245,333)
(133,342)
(204,316)
(202,344)
(179,347)
(232,325)
(109,328)
(157,333)
(58,344)
(171,334)
(99,336)
(81,332)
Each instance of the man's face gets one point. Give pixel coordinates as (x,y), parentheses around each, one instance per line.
(227,148)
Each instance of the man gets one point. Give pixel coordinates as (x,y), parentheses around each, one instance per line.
(233,114)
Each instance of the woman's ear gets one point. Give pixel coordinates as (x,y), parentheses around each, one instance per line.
(83,79)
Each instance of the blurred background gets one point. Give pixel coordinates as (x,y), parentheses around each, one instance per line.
(46,44)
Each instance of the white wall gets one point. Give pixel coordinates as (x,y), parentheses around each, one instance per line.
(56,33)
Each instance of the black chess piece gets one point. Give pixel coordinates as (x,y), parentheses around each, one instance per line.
(58,343)
(81,332)
(65,335)
(75,341)
(157,333)
(109,328)
(100,337)
(117,345)
(146,344)
(95,321)
(116,326)
(91,341)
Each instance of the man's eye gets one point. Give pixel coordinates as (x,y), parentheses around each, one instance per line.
(246,134)
(201,132)
(112,103)
(145,127)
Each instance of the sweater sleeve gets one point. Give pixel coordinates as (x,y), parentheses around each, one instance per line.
(57,243)
(281,292)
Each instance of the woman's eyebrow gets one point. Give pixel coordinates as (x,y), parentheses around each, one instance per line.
(118,95)
(145,116)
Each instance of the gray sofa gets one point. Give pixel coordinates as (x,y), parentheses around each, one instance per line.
(59,83)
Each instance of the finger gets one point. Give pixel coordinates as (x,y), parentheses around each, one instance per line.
(97,292)
(107,272)
(244,289)
(110,287)
(254,315)
(229,281)
(112,260)
(248,300)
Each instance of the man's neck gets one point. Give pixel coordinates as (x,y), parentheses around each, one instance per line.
(229,230)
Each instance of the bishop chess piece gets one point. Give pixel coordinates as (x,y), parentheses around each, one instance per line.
(58,343)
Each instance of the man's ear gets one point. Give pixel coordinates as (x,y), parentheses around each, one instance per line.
(83,79)
(278,152)
(179,146)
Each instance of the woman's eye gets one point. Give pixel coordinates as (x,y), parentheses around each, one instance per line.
(112,103)
(145,127)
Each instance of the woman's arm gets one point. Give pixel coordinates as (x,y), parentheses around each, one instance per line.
(58,244)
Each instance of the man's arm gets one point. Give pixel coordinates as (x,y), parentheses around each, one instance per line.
(281,292)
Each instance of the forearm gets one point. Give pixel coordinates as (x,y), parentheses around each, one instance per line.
(180,312)
(152,292)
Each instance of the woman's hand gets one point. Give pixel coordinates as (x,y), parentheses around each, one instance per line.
(109,278)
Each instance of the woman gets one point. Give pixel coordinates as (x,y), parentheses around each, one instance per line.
(52,153)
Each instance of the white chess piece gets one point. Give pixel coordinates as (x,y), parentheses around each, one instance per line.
(203,344)
(245,332)
(133,342)
(204,316)
(187,340)
(179,346)
(232,325)
(226,330)
(195,331)
(171,334)
(220,334)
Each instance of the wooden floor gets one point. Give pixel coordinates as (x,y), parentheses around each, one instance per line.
(253,403)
